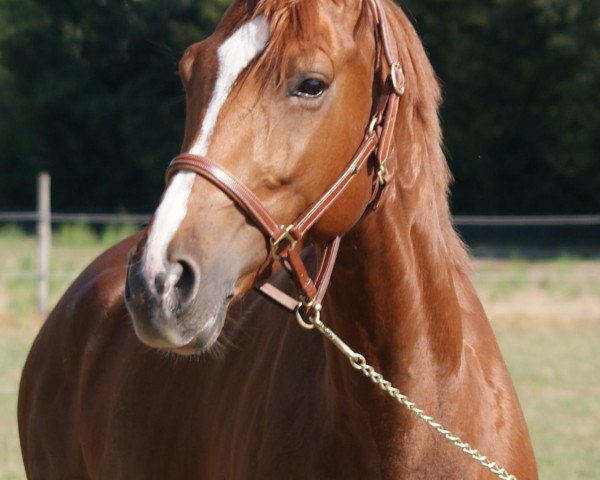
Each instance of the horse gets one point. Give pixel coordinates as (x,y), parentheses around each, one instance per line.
(311,168)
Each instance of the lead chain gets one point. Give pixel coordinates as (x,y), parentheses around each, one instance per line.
(359,363)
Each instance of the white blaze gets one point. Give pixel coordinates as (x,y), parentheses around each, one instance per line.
(234,55)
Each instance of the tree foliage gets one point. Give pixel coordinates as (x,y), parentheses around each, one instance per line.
(522,97)
(89,91)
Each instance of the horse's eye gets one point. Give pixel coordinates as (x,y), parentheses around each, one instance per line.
(310,88)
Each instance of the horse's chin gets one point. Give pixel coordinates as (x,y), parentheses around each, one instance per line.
(191,332)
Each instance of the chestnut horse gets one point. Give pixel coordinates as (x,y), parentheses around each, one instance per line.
(294,98)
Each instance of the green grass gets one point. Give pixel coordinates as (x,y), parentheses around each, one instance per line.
(554,364)
(14,345)
(73,247)
(555,369)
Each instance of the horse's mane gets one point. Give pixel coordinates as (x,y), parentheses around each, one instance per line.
(422,164)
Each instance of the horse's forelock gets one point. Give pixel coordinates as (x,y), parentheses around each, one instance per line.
(292,25)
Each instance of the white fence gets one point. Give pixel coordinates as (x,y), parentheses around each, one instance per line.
(44,219)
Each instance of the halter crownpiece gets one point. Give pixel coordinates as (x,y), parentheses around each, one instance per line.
(283,239)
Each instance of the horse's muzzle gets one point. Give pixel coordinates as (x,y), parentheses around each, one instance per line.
(170,311)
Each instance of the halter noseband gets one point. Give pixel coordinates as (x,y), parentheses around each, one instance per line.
(283,239)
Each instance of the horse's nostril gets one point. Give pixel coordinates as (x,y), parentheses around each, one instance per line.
(160,283)
(165,281)
(186,284)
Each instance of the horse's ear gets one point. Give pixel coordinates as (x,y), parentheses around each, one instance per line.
(352,5)
(350,10)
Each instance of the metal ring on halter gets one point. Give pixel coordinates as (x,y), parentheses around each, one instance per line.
(375,121)
(300,319)
(397,75)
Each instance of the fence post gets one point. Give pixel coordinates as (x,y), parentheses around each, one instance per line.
(44,241)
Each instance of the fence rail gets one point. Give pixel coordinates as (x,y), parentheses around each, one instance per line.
(88,218)
(45,218)
(526,220)
(459,220)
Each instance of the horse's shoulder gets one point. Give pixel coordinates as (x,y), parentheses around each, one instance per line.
(93,297)
(90,308)
(67,359)
(102,281)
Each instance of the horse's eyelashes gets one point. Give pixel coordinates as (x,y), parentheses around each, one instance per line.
(310,88)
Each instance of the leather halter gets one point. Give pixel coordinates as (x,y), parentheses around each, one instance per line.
(282,239)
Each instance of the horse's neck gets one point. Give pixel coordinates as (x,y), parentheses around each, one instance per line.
(394,300)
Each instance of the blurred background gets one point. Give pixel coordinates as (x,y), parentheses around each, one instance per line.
(89,93)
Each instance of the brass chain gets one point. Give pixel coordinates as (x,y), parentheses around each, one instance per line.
(359,363)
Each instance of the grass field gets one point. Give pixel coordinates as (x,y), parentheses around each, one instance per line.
(546,316)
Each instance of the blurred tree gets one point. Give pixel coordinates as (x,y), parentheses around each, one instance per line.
(522,95)
(88,91)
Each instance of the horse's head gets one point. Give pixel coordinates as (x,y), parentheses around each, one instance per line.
(280,96)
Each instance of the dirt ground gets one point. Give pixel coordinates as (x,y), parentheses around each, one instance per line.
(557,291)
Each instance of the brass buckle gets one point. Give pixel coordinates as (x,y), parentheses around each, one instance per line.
(285,236)
(397,75)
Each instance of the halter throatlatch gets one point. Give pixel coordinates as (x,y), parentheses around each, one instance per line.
(283,239)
